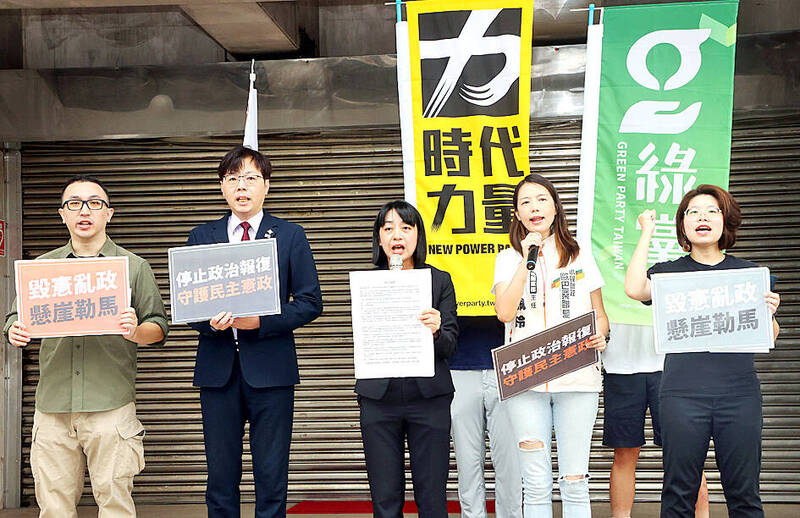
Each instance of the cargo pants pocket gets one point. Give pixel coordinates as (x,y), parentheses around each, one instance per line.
(129,457)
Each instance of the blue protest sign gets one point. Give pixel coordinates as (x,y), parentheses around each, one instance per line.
(241,278)
(716,311)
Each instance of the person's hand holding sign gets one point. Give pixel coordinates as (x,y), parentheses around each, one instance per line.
(773,301)
(18,334)
(222,321)
(597,342)
(246,322)
(129,322)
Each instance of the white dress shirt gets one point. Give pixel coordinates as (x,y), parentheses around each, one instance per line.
(236,231)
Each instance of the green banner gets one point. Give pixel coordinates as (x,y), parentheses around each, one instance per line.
(664,127)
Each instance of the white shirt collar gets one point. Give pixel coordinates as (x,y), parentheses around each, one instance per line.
(235,230)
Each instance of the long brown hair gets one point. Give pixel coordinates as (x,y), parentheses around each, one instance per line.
(731,215)
(568,248)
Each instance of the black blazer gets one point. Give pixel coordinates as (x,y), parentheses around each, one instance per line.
(444,299)
(267,354)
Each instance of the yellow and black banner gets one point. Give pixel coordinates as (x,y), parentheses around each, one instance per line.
(470,64)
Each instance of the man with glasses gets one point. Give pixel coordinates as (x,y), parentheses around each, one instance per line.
(247,366)
(85,412)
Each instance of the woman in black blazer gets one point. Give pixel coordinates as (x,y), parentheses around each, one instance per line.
(417,409)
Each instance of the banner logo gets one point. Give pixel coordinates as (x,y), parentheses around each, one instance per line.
(462,61)
(646,116)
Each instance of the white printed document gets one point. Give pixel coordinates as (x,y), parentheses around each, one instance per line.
(389,339)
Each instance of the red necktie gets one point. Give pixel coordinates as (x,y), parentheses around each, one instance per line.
(246,227)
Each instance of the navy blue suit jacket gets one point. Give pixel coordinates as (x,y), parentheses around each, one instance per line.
(267,354)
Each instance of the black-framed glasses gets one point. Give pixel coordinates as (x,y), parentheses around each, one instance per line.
(233,180)
(92,203)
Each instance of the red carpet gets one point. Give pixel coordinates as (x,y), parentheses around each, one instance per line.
(360,507)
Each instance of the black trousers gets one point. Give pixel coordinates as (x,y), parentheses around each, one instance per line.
(425,423)
(225,410)
(687,424)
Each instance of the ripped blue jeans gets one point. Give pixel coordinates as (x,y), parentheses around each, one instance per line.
(533,417)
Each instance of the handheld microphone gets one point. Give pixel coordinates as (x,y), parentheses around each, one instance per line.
(533,253)
(395,263)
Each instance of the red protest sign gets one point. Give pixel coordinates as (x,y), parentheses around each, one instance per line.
(545,356)
(72,297)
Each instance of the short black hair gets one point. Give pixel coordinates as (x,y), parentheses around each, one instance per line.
(80,178)
(232,162)
(409,215)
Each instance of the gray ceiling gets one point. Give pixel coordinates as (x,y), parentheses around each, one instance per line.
(198,31)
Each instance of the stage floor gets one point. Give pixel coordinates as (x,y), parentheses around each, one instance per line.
(599,509)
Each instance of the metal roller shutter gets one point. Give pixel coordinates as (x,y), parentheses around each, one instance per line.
(332,183)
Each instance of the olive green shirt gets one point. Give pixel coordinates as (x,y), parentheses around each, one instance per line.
(96,372)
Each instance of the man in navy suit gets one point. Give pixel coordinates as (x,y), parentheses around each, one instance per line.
(247,366)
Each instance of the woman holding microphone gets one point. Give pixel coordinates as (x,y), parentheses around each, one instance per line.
(564,284)
(416,409)
(703,394)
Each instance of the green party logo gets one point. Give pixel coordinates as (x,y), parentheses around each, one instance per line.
(660,117)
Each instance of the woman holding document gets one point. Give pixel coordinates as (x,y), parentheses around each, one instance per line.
(564,283)
(412,408)
(703,394)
